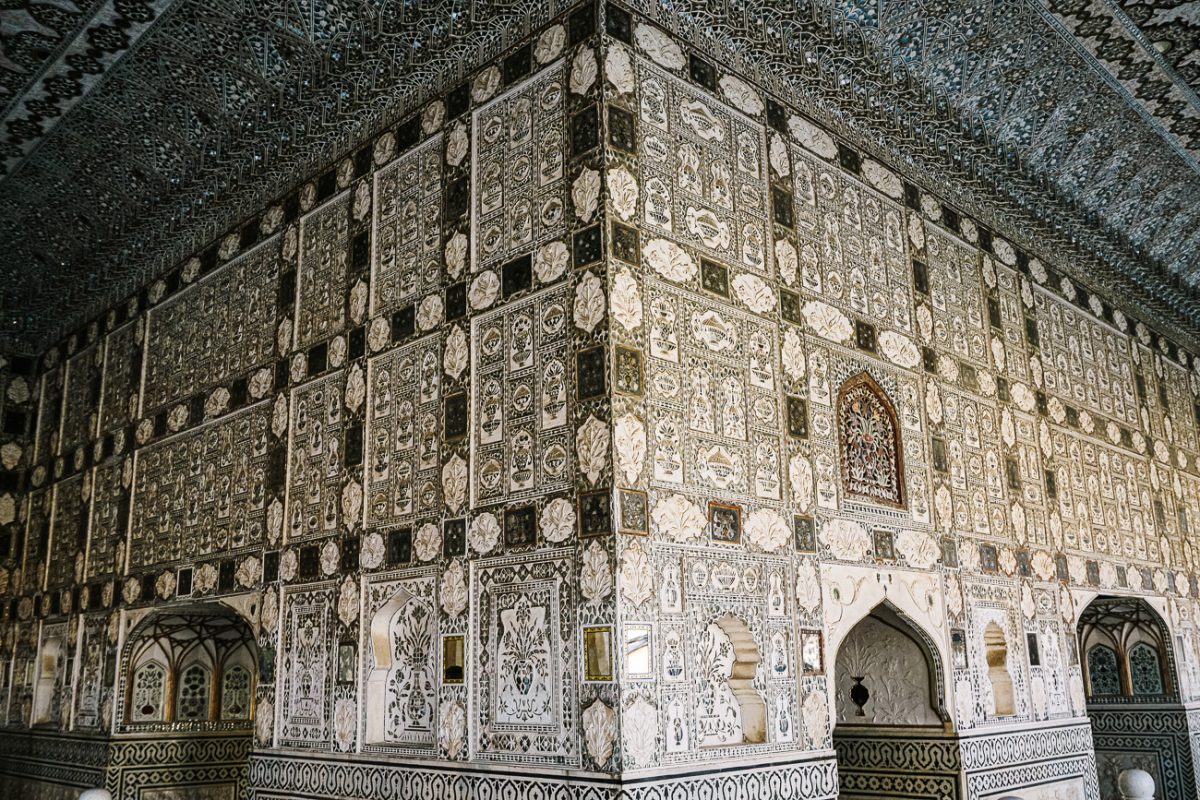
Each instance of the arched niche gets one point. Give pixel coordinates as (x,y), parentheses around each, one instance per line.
(870,450)
(49,676)
(731,711)
(401,687)
(995,652)
(176,665)
(887,671)
(1126,652)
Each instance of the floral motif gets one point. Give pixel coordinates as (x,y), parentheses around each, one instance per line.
(428,542)
(882,178)
(551,261)
(268,615)
(264,723)
(583,71)
(347,602)
(678,519)
(766,530)
(356,388)
(623,192)
(870,442)
(618,68)
(660,47)
(456,254)
(812,138)
(457,145)
(484,289)
(289,562)
(550,44)
(454,590)
(248,571)
(372,551)
(585,194)
(742,95)
(589,303)
(351,502)
(808,586)
(918,548)
(429,313)
(669,260)
(454,483)
(455,358)
(640,732)
(846,539)
(379,333)
(899,349)
(595,577)
(626,301)
(629,442)
(164,584)
(827,322)
(485,532)
(330,556)
(816,718)
(787,260)
(204,580)
(557,520)
(636,584)
(800,475)
(452,729)
(591,447)
(217,402)
(754,293)
(485,84)
(344,716)
(599,731)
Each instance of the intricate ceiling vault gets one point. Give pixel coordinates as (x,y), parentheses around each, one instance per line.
(135,131)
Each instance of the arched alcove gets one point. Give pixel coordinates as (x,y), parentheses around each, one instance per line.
(731,711)
(872,457)
(995,651)
(401,687)
(885,674)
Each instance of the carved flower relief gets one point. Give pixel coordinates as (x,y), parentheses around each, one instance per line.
(640,733)
(371,554)
(433,116)
(800,475)
(379,333)
(589,302)
(669,260)
(279,415)
(637,585)
(591,447)
(661,48)
(795,365)
(742,95)
(454,483)
(557,520)
(484,533)
(595,576)
(429,313)
(706,226)
(283,336)
(808,586)
(347,602)
(816,718)
(899,349)
(164,584)
(352,497)
(428,542)
(629,443)
(754,293)
(177,417)
(264,723)
(918,548)
(330,556)
(268,614)
(289,562)
(455,357)
(457,145)
(618,68)
(827,322)
(623,192)
(916,232)
(456,254)
(205,578)
(550,44)
(298,369)
(25,608)
(585,194)
(551,261)
(883,179)
(787,260)
(385,149)
(599,731)
(678,519)
(812,138)
(452,729)
(483,291)
(626,301)
(454,590)
(344,721)
(216,403)
(847,540)
(485,84)
(248,571)
(583,71)
(362,201)
(766,530)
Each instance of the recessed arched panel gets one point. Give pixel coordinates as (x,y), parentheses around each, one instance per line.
(872,461)
(1103,672)
(884,674)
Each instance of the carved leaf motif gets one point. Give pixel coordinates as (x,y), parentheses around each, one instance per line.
(356,388)
(591,446)
(599,731)
(626,301)
(589,303)
(846,539)
(882,178)
(454,360)
(918,548)
(347,606)
(629,441)
(703,121)
(678,519)
(585,194)
(899,349)
(583,71)
(344,716)
(618,68)
(429,313)
(485,532)
(766,530)
(351,501)
(827,322)
(484,290)
(794,363)
(787,260)
(623,192)
(669,260)
(636,584)
(812,137)
(754,293)
(454,590)
(660,47)
(800,473)
(808,586)
(452,729)
(457,145)
(743,97)
(641,732)
(454,483)
(816,718)
(595,577)
(428,542)
(558,520)
(550,44)
(456,254)
(485,85)
(370,555)
(551,261)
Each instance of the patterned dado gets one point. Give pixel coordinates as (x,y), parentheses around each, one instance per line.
(607,427)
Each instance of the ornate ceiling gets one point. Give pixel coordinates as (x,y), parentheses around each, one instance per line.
(134,131)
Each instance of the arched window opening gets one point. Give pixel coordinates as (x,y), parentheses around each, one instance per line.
(730,710)
(235,693)
(1145,670)
(883,674)
(995,648)
(872,465)
(148,703)
(1103,672)
(195,694)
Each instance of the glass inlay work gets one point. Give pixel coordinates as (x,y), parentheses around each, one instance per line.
(869,435)
(1145,672)
(193,693)
(1102,670)
(149,683)
(235,693)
